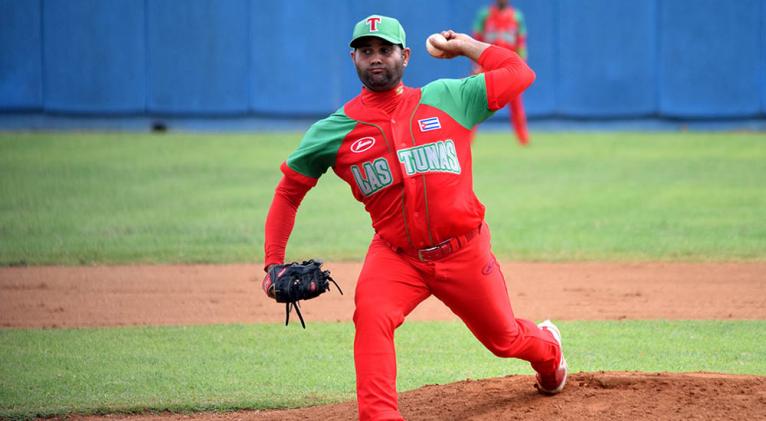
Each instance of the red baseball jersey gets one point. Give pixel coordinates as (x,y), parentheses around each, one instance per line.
(502,27)
(405,153)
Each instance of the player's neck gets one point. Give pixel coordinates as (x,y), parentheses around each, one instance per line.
(385,100)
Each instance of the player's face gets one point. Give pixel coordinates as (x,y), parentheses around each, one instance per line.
(379,64)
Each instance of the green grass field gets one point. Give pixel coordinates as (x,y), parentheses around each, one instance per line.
(123,198)
(224,367)
(128,198)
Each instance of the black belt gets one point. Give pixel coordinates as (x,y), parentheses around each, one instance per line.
(441,250)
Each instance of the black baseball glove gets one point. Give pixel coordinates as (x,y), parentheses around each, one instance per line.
(292,282)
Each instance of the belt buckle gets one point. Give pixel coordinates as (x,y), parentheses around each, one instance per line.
(438,247)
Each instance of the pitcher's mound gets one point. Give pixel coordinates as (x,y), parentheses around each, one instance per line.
(588,396)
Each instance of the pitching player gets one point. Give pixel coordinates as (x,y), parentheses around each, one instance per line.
(503,25)
(406,154)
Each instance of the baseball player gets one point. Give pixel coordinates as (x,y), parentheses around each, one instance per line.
(503,25)
(406,154)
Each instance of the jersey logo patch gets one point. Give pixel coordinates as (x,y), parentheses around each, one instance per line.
(428,124)
(363,144)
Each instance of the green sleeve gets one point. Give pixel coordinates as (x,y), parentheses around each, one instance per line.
(319,146)
(465,100)
(480,21)
(520,23)
(522,35)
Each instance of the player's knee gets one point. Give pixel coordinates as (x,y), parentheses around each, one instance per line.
(504,346)
(504,350)
(375,317)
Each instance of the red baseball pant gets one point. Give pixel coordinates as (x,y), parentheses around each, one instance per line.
(518,119)
(468,281)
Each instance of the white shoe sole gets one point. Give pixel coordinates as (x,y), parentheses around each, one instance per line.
(547,324)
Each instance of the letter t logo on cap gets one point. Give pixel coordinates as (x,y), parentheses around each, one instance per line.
(373,22)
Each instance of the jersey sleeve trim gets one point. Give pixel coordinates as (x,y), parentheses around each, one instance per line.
(298,177)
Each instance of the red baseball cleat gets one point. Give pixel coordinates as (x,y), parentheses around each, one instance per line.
(553,383)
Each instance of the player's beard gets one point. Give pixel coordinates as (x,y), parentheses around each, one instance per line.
(383,81)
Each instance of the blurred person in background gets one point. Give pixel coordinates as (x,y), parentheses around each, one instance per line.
(503,25)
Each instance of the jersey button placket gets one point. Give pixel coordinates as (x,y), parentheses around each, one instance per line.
(408,183)
(401,142)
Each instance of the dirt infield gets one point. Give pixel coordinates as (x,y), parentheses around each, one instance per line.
(201,294)
(205,294)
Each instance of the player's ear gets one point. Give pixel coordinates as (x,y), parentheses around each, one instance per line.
(406,56)
(353,56)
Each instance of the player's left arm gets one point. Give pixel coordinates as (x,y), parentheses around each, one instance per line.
(301,172)
(280,220)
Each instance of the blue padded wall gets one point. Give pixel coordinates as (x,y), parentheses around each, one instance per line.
(21,55)
(542,34)
(198,56)
(762,48)
(709,58)
(606,58)
(94,55)
(298,54)
(593,59)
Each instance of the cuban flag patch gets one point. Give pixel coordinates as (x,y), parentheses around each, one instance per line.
(428,124)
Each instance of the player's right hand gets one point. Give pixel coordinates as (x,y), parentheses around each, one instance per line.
(452,44)
(444,44)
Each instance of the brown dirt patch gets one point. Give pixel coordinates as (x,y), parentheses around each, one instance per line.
(203,294)
(588,396)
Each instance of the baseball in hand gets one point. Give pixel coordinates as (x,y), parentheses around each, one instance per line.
(431,43)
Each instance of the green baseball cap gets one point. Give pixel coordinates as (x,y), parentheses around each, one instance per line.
(383,27)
